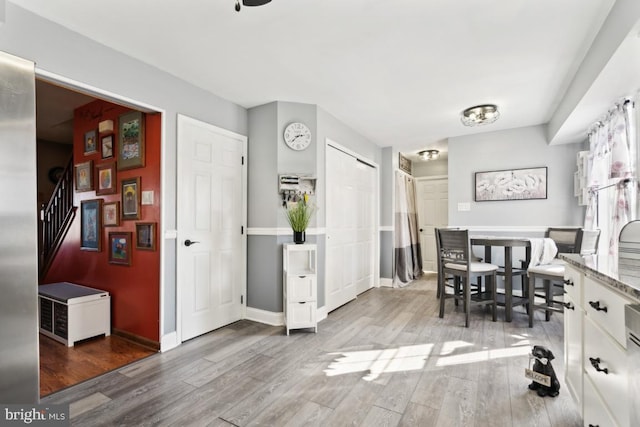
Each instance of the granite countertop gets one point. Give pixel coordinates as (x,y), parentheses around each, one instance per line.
(589,264)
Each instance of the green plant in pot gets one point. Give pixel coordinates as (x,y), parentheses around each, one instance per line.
(298,215)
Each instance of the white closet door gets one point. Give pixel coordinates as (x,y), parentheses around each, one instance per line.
(365,226)
(350,228)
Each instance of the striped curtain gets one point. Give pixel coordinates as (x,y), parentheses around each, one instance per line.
(408,259)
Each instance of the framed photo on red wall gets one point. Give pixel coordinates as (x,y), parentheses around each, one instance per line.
(84,176)
(106,178)
(146,236)
(130,198)
(120,247)
(111,214)
(90,225)
(130,140)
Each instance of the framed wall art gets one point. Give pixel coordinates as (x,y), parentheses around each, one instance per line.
(130,140)
(84,176)
(111,214)
(90,144)
(404,163)
(106,146)
(106,178)
(130,190)
(120,247)
(146,236)
(512,184)
(90,225)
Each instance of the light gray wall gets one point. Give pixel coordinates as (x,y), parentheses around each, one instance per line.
(513,149)
(386,211)
(622,18)
(439,167)
(290,161)
(58,50)
(262,166)
(269,157)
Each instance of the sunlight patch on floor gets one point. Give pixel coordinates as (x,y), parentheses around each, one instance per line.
(376,362)
(414,357)
(483,355)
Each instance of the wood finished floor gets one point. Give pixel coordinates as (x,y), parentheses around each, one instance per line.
(62,366)
(385,359)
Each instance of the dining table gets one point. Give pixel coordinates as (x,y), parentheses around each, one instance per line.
(508,271)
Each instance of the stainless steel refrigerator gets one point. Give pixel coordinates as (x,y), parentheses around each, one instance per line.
(19,364)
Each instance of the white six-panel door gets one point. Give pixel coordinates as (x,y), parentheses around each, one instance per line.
(211,215)
(351,227)
(433,208)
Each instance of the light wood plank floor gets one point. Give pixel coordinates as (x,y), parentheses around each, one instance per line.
(385,359)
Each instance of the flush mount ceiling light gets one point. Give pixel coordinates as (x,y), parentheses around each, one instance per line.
(480,115)
(429,154)
(250,3)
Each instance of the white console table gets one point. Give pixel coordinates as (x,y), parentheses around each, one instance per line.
(70,312)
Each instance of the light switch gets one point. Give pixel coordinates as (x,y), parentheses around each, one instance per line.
(147,197)
(464,207)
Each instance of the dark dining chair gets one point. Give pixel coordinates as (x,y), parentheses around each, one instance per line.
(584,242)
(457,261)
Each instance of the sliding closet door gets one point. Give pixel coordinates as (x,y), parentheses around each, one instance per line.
(351,223)
(19,233)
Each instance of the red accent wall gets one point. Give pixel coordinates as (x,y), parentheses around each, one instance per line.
(134,289)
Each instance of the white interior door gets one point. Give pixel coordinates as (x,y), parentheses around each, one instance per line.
(433,212)
(351,228)
(211,216)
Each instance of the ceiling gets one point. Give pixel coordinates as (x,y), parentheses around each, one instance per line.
(398,72)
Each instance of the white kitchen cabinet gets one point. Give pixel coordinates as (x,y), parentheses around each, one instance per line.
(300,283)
(573,333)
(596,362)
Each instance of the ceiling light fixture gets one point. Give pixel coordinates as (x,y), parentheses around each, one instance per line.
(480,115)
(250,3)
(429,154)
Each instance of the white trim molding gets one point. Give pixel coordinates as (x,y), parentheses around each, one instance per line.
(169,341)
(386,283)
(386,228)
(321,313)
(266,317)
(281,231)
(507,228)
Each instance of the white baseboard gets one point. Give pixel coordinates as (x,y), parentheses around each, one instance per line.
(322,313)
(387,283)
(169,341)
(263,316)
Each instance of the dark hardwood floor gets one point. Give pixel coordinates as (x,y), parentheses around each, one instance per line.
(62,366)
(385,358)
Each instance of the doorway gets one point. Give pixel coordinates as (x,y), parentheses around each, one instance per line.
(433,208)
(62,366)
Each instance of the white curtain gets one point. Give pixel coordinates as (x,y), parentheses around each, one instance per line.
(611,177)
(408,259)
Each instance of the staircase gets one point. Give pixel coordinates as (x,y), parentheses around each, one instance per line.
(56,218)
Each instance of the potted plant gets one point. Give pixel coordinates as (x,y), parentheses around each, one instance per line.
(298,215)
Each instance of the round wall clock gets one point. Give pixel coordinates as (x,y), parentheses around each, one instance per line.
(297,136)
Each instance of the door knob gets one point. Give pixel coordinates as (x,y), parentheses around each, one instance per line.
(188,242)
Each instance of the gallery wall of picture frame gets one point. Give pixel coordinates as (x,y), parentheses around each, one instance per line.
(110,151)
